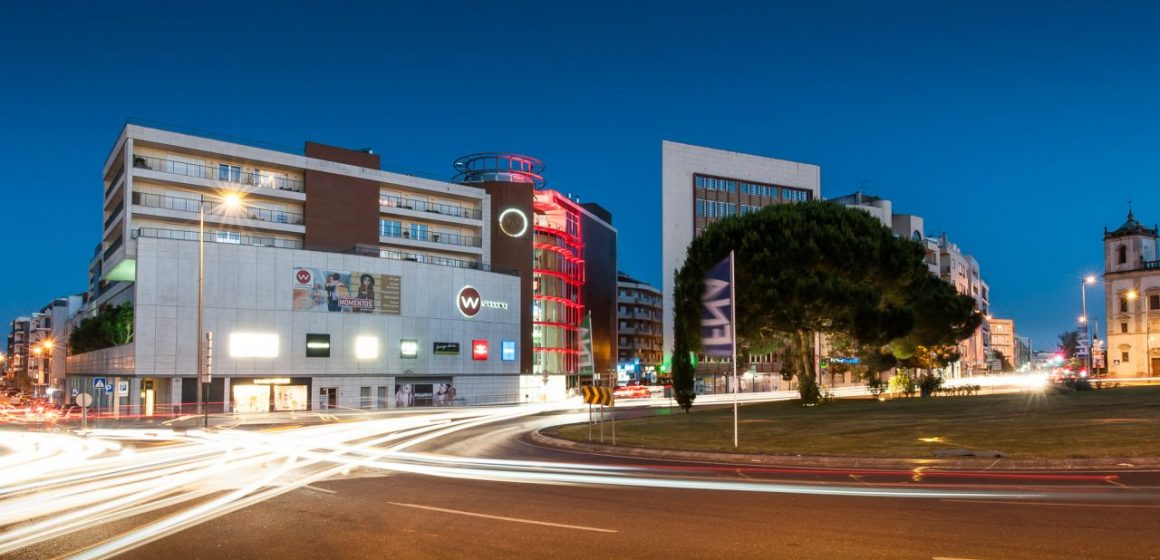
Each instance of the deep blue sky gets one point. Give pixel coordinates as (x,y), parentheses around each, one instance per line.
(1020,130)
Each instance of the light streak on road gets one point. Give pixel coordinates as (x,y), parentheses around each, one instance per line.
(52,484)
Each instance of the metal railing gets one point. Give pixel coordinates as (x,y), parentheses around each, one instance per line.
(371,251)
(446,238)
(222,172)
(116,212)
(393,201)
(115,245)
(215,237)
(191,205)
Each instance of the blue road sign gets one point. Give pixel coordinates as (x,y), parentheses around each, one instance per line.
(100,382)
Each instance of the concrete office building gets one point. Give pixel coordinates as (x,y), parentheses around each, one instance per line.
(702,185)
(1132,299)
(639,329)
(19,334)
(333,282)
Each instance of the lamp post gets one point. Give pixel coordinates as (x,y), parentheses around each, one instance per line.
(229,201)
(1083,319)
(1133,295)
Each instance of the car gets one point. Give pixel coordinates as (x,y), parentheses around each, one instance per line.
(632,392)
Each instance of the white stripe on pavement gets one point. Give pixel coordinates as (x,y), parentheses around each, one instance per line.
(1057,504)
(500,518)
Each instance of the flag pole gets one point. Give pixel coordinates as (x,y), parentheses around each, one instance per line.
(733,325)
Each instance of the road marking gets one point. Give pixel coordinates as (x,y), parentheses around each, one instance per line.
(1058,504)
(947,558)
(501,518)
(320,489)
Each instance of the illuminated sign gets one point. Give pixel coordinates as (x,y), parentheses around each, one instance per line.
(272,381)
(479,349)
(253,345)
(409,348)
(507,351)
(317,346)
(446,348)
(513,222)
(366,348)
(470,302)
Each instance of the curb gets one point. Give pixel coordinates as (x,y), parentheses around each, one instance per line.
(973,464)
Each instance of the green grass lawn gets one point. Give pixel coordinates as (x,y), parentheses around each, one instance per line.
(1121,422)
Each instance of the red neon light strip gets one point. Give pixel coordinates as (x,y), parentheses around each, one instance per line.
(560,325)
(569,279)
(559,300)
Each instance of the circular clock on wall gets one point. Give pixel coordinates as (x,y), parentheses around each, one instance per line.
(513,222)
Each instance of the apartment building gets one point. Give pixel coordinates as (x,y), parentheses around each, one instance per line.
(1003,342)
(640,343)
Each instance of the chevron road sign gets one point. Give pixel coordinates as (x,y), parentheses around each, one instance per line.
(597,395)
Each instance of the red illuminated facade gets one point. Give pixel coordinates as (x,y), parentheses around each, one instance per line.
(558,268)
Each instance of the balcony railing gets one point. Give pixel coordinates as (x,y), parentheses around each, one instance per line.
(371,251)
(392,201)
(223,172)
(191,204)
(112,248)
(218,237)
(113,216)
(444,237)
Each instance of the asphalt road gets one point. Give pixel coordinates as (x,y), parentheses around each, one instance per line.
(413,516)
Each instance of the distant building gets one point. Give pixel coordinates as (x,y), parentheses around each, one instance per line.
(1003,342)
(1022,353)
(639,328)
(1132,299)
(700,186)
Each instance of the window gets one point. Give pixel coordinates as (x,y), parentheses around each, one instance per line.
(1154,302)
(1123,304)
(228,172)
(1123,328)
(364,397)
(390,228)
(228,237)
(1124,357)
(1121,254)
(419,232)
(700,212)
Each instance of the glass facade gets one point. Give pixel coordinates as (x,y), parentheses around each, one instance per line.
(557,309)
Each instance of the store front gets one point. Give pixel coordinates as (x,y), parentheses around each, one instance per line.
(269,394)
(416,392)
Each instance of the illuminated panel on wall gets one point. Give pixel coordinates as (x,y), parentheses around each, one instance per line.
(366,348)
(479,349)
(253,345)
(409,348)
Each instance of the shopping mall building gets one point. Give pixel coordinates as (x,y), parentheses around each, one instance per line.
(329,282)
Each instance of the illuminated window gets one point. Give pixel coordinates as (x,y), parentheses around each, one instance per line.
(317,346)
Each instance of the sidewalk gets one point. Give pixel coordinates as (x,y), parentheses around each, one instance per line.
(966,464)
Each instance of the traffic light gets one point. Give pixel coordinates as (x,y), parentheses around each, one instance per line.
(825,362)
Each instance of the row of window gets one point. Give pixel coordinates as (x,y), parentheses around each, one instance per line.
(714,209)
(715,184)
(1153,303)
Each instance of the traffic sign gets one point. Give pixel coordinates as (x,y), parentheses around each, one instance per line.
(100,383)
(597,395)
(122,388)
(84,399)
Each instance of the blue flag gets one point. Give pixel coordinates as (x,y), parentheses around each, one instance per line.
(717,312)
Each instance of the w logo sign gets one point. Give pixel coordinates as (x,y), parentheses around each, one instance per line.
(302,276)
(468,301)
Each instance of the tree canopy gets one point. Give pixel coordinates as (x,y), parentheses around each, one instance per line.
(818,267)
(112,326)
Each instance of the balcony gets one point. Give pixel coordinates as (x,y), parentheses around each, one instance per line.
(443,237)
(372,251)
(230,238)
(404,203)
(191,205)
(112,248)
(226,173)
(114,215)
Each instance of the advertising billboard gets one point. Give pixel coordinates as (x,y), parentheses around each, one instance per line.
(317,289)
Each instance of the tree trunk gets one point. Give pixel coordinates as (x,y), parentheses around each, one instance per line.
(807,379)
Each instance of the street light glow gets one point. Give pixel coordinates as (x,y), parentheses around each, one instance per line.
(231,201)
(1131,295)
(1082,319)
(1090,279)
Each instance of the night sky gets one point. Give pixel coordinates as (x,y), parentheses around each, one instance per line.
(1021,131)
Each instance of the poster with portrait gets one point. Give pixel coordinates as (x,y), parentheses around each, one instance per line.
(316,289)
(290,397)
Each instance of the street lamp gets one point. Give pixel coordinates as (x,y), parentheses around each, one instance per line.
(1088,280)
(228,201)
